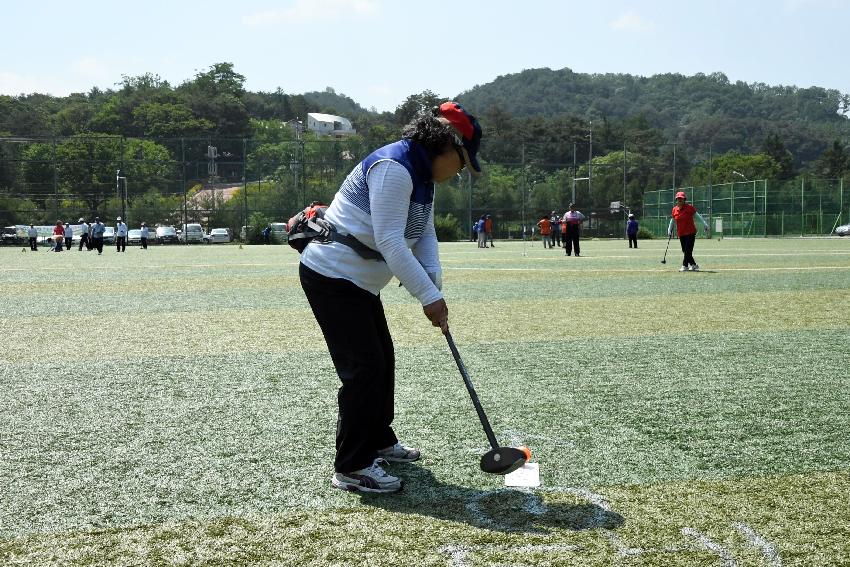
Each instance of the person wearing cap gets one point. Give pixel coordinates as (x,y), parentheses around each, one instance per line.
(69,235)
(84,234)
(383,219)
(97,231)
(683,216)
(32,234)
(120,236)
(632,230)
(573,218)
(145,232)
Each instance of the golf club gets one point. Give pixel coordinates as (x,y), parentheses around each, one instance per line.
(669,236)
(498,460)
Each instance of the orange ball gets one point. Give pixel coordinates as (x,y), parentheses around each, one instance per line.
(527,452)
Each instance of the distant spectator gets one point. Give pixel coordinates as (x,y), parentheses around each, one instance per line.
(58,236)
(32,234)
(121,236)
(84,235)
(632,230)
(69,235)
(144,236)
(97,235)
(556,228)
(482,235)
(545,226)
(267,235)
(573,218)
(488,230)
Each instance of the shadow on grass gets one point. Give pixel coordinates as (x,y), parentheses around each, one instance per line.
(501,509)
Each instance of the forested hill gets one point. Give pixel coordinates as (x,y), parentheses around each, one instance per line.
(693,110)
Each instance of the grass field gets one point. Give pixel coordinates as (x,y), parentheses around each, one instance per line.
(177,407)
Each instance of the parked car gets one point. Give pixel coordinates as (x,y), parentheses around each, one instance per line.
(166,235)
(217,236)
(843,230)
(279,234)
(109,235)
(11,236)
(134,236)
(192,233)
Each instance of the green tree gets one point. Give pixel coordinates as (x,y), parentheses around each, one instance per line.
(834,162)
(775,148)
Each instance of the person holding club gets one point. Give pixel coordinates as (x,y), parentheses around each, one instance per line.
(683,216)
(383,215)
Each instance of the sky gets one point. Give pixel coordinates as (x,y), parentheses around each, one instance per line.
(379,52)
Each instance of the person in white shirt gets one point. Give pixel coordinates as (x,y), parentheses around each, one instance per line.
(32,234)
(144,236)
(573,218)
(121,236)
(85,228)
(69,235)
(384,221)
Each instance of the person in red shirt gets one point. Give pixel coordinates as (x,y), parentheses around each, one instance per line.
(545,231)
(683,215)
(58,236)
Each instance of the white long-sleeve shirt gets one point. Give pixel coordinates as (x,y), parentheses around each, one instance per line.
(410,260)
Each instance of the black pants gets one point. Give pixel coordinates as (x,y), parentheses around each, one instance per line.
(98,243)
(556,235)
(355,329)
(68,240)
(687,241)
(144,243)
(573,231)
(33,243)
(84,240)
(633,239)
(121,243)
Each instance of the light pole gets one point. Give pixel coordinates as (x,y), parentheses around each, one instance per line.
(120,195)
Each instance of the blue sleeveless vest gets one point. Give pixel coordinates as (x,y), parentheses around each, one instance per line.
(415,160)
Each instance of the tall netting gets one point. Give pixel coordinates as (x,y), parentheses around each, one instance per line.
(245,184)
(802,207)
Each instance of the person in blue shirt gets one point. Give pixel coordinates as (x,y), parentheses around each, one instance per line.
(632,230)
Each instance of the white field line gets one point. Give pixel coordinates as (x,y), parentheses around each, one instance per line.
(767,548)
(709,544)
(654,270)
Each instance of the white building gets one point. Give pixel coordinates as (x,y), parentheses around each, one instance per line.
(329,125)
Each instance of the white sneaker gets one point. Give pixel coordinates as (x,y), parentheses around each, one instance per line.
(398,453)
(370,479)
(695,268)
(683,269)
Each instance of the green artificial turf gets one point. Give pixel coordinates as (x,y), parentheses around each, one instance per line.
(177,407)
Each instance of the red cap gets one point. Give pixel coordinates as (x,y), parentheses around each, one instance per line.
(681,195)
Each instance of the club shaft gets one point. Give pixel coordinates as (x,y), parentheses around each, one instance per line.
(485,423)
(669,237)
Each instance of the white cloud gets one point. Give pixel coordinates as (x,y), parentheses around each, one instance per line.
(89,68)
(302,11)
(632,21)
(13,84)
(797,5)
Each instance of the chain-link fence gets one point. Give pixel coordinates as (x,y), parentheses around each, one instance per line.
(236,182)
(803,207)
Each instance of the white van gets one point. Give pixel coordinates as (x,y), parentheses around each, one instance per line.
(192,233)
